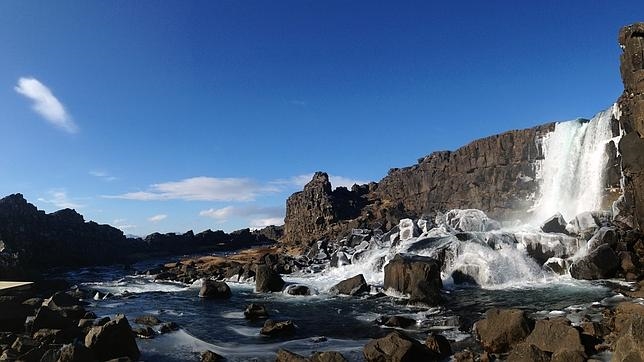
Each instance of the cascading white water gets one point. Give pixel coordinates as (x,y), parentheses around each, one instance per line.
(571,176)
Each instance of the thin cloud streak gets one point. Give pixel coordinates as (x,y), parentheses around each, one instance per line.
(201,189)
(157,218)
(274,213)
(61,200)
(46,104)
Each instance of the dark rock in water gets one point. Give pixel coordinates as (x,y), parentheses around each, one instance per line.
(630,345)
(284,355)
(600,263)
(555,224)
(502,328)
(75,353)
(273,328)
(395,321)
(584,225)
(328,356)
(144,332)
(298,290)
(526,352)
(210,356)
(353,286)
(462,278)
(439,345)
(555,335)
(212,289)
(113,340)
(50,319)
(148,320)
(417,276)
(397,346)
(255,311)
(168,327)
(267,280)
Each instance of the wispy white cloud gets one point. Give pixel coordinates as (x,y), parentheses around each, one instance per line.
(104,175)
(336,181)
(157,218)
(60,199)
(201,189)
(262,223)
(46,104)
(273,213)
(298,102)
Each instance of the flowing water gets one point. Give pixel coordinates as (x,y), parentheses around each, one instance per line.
(497,263)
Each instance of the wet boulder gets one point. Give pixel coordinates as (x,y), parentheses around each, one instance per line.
(327,356)
(267,280)
(408,229)
(556,335)
(168,327)
(417,276)
(353,286)
(210,356)
(298,289)
(74,353)
(148,320)
(396,321)
(605,235)
(255,311)
(212,289)
(113,340)
(284,355)
(469,220)
(502,328)
(397,346)
(583,225)
(439,345)
(600,263)
(555,224)
(273,328)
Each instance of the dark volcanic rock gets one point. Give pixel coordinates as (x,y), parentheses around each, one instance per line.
(212,289)
(600,263)
(210,356)
(631,105)
(353,286)
(267,280)
(284,355)
(397,346)
(494,174)
(555,224)
(113,340)
(526,352)
(273,328)
(502,328)
(439,345)
(255,311)
(417,276)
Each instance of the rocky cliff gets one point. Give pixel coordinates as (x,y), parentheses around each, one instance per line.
(31,240)
(495,174)
(631,104)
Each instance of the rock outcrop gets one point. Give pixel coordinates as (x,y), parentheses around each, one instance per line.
(631,106)
(494,174)
(417,276)
(502,328)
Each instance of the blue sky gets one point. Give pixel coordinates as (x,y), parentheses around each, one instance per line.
(177,115)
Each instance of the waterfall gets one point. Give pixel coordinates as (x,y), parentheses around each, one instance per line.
(571,175)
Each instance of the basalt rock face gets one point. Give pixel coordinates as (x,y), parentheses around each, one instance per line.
(63,238)
(494,174)
(631,106)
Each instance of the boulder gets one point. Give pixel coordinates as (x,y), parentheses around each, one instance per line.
(212,289)
(255,311)
(600,263)
(144,332)
(50,319)
(397,346)
(210,356)
(569,356)
(555,335)
(555,224)
(526,352)
(502,328)
(328,356)
(630,345)
(439,345)
(470,220)
(267,280)
(395,321)
(113,340)
(605,235)
(284,355)
(168,327)
(583,225)
(298,289)
(353,286)
(417,276)
(75,353)
(148,320)
(273,328)
(408,229)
